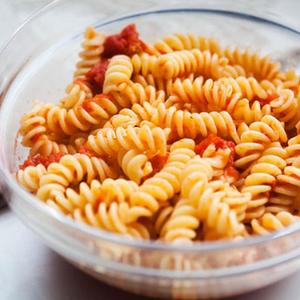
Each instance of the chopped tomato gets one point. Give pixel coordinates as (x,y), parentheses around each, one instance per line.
(126,42)
(95,77)
(41,159)
(158,162)
(86,151)
(217,141)
(231,171)
(273,184)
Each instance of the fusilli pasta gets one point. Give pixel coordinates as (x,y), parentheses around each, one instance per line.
(180,141)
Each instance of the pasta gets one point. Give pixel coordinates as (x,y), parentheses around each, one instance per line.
(135,165)
(254,65)
(261,178)
(183,63)
(92,47)
(72,169)
(270,222)
(182,123)
(178,42)
(118,73)
(76,93)
(108,191)
(180,141)
(110,141)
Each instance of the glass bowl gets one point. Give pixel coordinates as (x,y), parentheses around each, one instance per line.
(38,63)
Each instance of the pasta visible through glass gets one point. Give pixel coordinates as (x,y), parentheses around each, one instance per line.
(180,141)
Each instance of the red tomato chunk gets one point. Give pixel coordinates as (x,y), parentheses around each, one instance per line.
(95,77)
(126,42)
(41,159)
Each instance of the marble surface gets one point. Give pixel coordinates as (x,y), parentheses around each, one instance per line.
(31,271)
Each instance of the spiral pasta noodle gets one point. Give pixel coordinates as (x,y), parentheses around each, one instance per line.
(182,123)
(180,141)
(270,222)
(182,223)
(118,73)
(182,63)
(108,191)
(135,93)
(72,169)
(262,177)
(113,217)
(135,165)
(225,94)
(45,146)
(253,64)
(178,42)
(29,178)
(92,47)
(253,139)
(110,141)
(76,93)
(144,64)
(53,119)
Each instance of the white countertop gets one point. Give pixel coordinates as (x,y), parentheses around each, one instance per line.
(31,271)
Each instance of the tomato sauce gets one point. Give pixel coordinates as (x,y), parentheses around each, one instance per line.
(41,159)
(95,77)
(218,142)
(158,162)
(231,171)
(86,151)
(126,42)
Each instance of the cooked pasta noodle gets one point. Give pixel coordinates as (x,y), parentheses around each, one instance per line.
(252,140)
(182,223)
(118,73)
(92,47)
(135,93)
(182,123)
(270,222)
(134,164)
(178,42)
(109,141)
(262,177)
(183,63)
(114,217)
(29,178)
(254,65)
(43,145)
(72,169)
(76,93)
(108,191)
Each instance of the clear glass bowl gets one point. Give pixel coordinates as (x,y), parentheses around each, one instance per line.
(38,63)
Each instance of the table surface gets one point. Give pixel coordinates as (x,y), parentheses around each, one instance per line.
(29,270)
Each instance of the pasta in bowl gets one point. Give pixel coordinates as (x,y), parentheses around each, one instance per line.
(173,155)
(195,160)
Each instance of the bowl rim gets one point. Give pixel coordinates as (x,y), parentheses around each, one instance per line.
(14,187)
